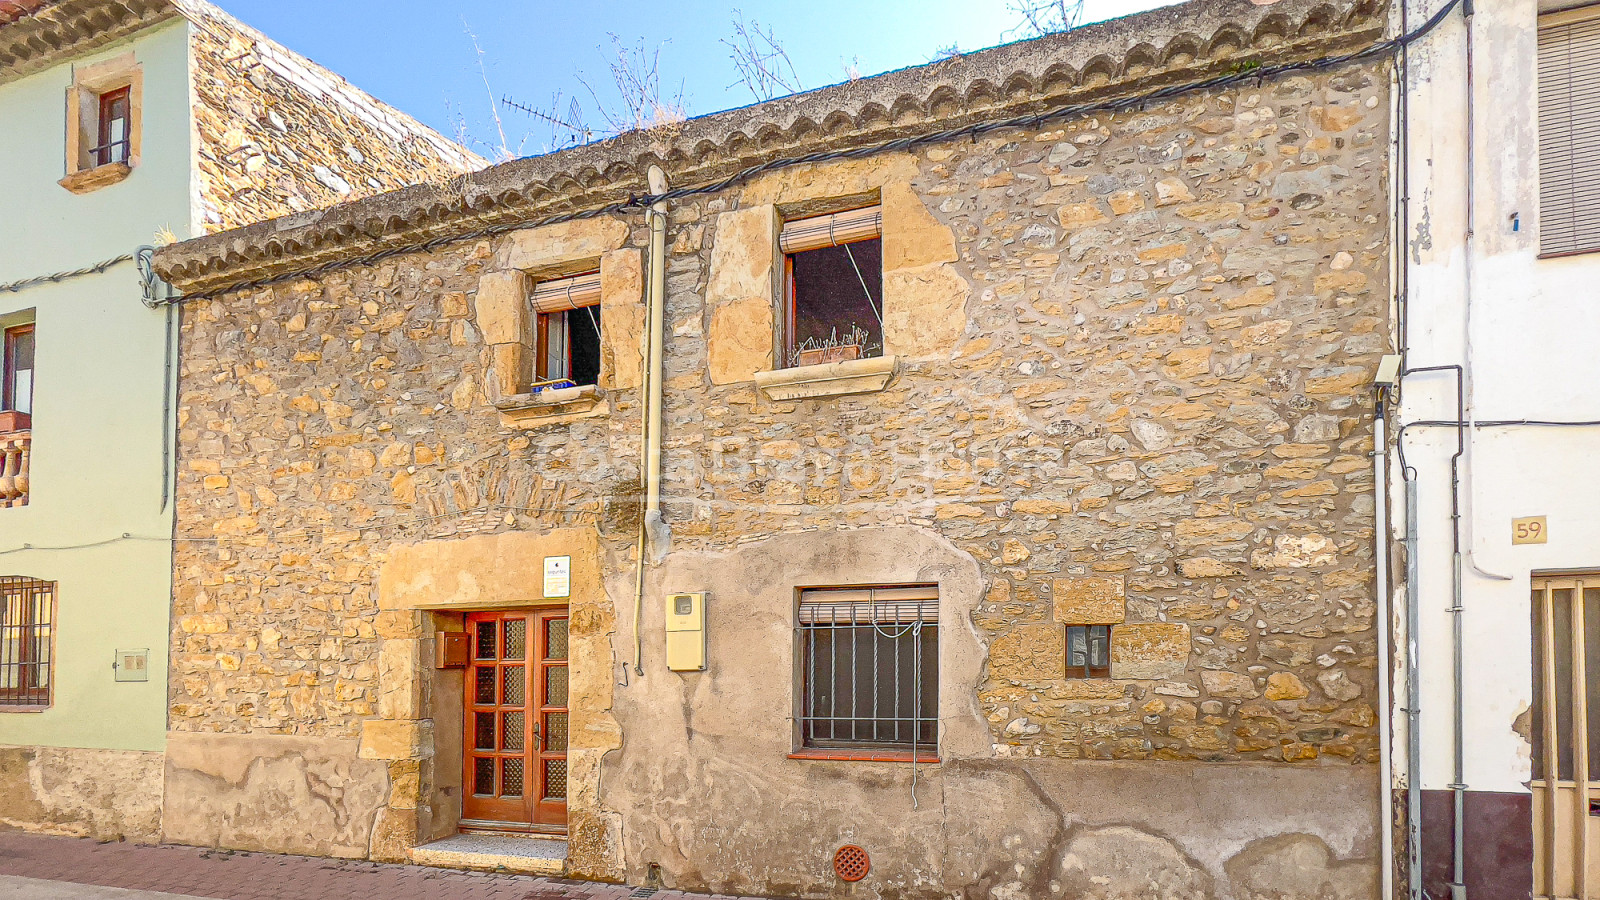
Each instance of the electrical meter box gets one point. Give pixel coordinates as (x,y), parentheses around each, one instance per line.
(686,632)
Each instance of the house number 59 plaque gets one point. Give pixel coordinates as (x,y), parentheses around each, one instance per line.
(1530,530)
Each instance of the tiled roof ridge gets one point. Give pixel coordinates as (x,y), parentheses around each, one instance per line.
(1171,45)
(35,36)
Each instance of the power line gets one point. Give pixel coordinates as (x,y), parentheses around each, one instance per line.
(57,277)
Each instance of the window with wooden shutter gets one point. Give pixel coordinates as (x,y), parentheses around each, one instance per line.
(568,311)
(833,267)
(1569,132)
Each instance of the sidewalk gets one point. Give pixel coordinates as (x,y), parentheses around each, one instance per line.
(228,875)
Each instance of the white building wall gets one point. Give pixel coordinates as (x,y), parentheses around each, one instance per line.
(1531,338)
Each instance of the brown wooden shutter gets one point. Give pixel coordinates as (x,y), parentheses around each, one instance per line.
(561,294)
(863,606)
(1569,132)
(831,230)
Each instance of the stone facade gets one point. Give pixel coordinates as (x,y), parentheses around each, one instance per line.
(277,134)
(1125,384)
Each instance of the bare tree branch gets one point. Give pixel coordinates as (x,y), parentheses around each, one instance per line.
(502,152)
(638,104)
(760,59)
(1042,17)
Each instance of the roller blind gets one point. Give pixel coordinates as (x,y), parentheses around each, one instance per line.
(561,294)
(1569,135)
(831,230)
(864,606)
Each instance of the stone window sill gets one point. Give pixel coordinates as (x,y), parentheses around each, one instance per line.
(18,708)
(85,180)
(855,376)
(842,755)
(553,407)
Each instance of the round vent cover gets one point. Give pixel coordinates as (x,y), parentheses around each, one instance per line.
(851,862)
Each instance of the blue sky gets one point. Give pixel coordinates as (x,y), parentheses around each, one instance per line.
(419,56)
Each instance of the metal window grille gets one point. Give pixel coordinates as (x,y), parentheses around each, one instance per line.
(870,659)
(1088,651)
(27,609)
(1569,133)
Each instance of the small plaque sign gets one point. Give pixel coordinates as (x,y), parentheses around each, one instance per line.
(557,577)
(131,665)
(1530,530)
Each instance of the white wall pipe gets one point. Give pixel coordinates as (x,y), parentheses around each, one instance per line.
(650,415)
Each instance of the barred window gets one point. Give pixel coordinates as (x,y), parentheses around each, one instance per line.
(870,667)
(27,608)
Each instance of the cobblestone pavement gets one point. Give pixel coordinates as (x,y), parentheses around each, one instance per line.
(37,867)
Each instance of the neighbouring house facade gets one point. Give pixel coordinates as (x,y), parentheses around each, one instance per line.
(1499,268)
(120,121)
(992,516)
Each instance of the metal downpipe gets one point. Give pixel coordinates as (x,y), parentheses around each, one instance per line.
(1380,480)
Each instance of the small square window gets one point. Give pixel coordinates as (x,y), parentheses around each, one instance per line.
(568,351)
(833,309)
(1089,651)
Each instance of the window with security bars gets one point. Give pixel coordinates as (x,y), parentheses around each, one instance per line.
(833,267)
(1569,132)
(27,610)
(869,667)
(568,311)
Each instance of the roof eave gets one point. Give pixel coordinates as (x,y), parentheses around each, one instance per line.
(60,31)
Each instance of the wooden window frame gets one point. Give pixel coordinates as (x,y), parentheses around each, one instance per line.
(102,154)
(28,697)
(789,244)
(1089,669)
(913,609)
(8,377)
(86,126)
(554,299)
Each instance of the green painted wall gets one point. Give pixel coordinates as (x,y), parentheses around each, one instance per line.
(98,455)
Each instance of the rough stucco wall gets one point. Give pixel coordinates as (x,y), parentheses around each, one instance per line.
(269,792)
(103,794)
(277,134)
(1153,394)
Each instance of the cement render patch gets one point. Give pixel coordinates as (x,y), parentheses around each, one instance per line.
(14,888)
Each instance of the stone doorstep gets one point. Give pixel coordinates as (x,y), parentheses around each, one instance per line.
(495,853)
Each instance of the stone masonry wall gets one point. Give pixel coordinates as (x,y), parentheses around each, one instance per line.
(1134,390)
(277,134)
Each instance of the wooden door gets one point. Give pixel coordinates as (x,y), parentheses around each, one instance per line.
(516,720)
(1566,758)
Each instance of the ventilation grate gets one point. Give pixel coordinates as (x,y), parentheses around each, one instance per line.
(851,862)
(642,892)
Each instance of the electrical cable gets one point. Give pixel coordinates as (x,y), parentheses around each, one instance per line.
(57,277)
(1242,73)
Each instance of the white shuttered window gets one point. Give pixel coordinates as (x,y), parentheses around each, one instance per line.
(1569,132)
